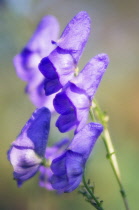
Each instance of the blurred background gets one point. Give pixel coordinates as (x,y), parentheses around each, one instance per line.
(115,31)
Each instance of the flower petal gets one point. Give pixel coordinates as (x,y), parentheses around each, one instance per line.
(66,122)
(37,130)
(26,63)
(51,86)
(28,150)
(62,103)
(85,139)
(76,34)
(25,163)
(90,77)
(59,182)
(58,165)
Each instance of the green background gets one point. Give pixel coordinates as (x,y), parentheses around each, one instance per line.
(115,31)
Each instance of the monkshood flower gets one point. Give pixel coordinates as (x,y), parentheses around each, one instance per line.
(27,152)
(26,63)
(59,67)
(68,168)
(74,101)
(51,153)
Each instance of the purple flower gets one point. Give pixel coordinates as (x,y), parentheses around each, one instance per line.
(69,167)
(50,154)
(26,63)
(59,67)
(74,102)
(28,150)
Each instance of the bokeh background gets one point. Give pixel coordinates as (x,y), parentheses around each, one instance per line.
(115,31)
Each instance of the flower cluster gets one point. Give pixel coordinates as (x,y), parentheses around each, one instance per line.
(50,69)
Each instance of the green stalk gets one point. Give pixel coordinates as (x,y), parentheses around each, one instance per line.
(101,116)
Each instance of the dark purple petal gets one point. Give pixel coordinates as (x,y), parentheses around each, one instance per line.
(59,182)
(47,69)
(90,77)
(51,86)
(58,165)
(85,139)
(37,129)
(72,186)
(66,122)
(62,103)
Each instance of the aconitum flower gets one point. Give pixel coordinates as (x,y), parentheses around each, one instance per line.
(60,66)
(68,168)
(51,153)
(27,152)
(26,63)
(74,102)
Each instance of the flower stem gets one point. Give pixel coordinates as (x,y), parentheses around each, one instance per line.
(101,116)
(114,164)
(96,203)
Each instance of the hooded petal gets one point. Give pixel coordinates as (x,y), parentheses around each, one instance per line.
(69,167)
(67,171)
(90,77)
(26,63)
(28,150)
(76,34)
(85,139)
(36,131)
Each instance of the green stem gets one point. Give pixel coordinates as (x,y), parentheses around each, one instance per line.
(110,149)
(114,164)
(98,204)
